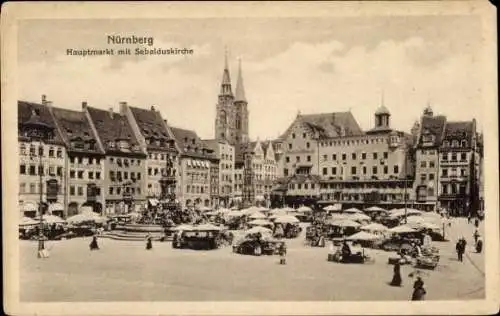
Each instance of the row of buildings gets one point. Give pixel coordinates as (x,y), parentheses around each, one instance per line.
(132,159)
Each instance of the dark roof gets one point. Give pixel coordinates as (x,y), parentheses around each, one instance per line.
(73,126)
(300,178)
(151,126)
(112,127)
(434,125)
(190,144)
(25,111)
(329,125)
(459,131)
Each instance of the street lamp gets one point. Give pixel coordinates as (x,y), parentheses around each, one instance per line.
(38,131)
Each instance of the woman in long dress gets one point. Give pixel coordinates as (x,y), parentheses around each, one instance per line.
(149,242)
(93,244)
(396,279)
(418,290)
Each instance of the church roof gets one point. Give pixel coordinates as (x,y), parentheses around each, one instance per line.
(25,111)
(74,125)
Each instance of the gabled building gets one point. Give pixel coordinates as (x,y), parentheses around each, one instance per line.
(49,177)
(427,169)
(193,189)
(157,140)
(85,165)
(225,154)
(125,163)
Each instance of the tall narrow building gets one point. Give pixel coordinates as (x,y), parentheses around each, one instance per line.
(231,121)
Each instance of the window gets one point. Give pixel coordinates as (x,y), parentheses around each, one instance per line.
(80,191)
(290,146)
(463,172)
(325,157)
(306,186)
(297,158)
(445,189)
(72,174)
(80,174)
(364,169)
(40,151)
(72,190)
(52,171)
(386,155)
(431,164)
(32,188)
(51,152)
(386,169)
(325,171)
(334,157)
(423,164)
(91,175)
(344,156)
(308,145)
(22,149)
(444,156)
(299,186)
(453,189)
(308,158)
(353,170)
(363,156)
(125,175)
(353,156)
(312,186)
(374,170)
(453,156)
(430,191)
(293,135)
(463,156)
(59,171)
(40,170)
(431,176)
(375,156)
(32,170)
(423,177)
(22,188)
(303,135)
(138,176)
(285,172)
(22,169)
(445,173)
(464,143)
(59,153)
(396,169)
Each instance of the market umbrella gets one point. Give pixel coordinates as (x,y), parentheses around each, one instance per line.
(27,221)
(304,209)
(205,208)
(288,210)
(401,212)
(235,214)
(52,219)
(86,217)
(263,209)
(250,210)
(183,227)
(374,227)
(258,229)
(333,208)
(223,210)
(374,209)
(363,236)
(402,229)
(352,210)
(260,222)
(286,219)
(345,223)
(208,227)
(359,217)
(257,215)
(277,213)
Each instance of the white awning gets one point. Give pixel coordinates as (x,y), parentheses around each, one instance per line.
(153,202)
(189,162)
(207,164)
(29,207)
(56,207)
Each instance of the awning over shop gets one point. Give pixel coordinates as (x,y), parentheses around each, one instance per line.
(189,163)
(29,207)
(56,207)
(153,202)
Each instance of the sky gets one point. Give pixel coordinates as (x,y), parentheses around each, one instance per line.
(311,65)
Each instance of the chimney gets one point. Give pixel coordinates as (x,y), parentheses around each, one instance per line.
(153,108)
(84,104)
(123,106)
(111,112)
(44,99)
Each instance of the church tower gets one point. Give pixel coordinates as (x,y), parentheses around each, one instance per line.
(224,119)
(240,104)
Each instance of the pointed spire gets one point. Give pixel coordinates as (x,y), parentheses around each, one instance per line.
(225,88)
(240,90)
(382,101)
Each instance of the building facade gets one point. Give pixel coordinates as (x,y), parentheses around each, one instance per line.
(125,164)
(42,164)
(155,138)
(225,153)
(85,165)
(193,188)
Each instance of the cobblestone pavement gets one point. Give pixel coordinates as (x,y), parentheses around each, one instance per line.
(125,271)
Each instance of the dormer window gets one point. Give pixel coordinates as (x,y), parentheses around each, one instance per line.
(123,144)
(454,143)
(111,144)
(464,143)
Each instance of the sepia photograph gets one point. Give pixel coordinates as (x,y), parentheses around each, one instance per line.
(248,154)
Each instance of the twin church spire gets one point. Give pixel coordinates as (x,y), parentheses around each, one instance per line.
(226,89)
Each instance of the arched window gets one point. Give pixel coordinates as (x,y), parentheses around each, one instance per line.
(223,117)
(238,121)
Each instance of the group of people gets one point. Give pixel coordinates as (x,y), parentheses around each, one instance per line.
(418,286)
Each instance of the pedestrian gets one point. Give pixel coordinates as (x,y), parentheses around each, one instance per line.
(418,290)
(458,248)
(282,252)
(93,244)
(476,235)
(149,242)
(479,245)
(396,278)
(469,218)
(476,222)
